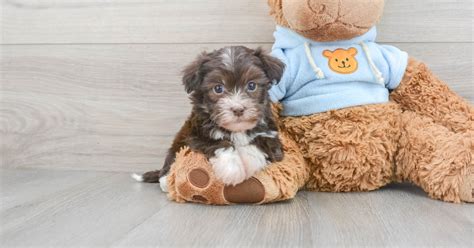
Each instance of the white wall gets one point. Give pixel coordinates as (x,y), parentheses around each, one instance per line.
(94,84)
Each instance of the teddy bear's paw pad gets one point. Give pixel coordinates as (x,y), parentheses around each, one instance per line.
(249,191)
(199,178)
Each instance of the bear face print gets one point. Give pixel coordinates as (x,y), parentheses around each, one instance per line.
(341,60)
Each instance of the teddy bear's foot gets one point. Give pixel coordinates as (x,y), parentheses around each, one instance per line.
(436,159)
(256,189)
(193,180)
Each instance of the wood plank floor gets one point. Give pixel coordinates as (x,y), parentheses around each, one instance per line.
(107,209)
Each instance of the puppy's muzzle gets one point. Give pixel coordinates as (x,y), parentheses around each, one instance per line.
(238,111)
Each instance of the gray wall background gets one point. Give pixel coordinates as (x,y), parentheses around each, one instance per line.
(95,85)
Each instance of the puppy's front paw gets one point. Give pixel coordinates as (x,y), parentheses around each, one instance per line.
(228,166)
(253,159)
(276,155)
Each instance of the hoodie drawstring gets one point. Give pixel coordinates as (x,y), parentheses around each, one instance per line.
(316,69)
(372,65)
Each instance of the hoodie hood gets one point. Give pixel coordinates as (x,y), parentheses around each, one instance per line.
(286,39)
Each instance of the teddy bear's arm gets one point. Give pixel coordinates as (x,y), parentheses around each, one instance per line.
(422,92)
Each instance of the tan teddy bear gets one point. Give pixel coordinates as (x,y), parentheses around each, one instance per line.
(411,127)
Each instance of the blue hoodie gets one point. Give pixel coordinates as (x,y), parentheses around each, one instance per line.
(323,76)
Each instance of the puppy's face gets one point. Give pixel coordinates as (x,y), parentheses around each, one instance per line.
(231,84)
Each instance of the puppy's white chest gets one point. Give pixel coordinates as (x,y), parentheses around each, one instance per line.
(240,139)
(252,157)
(235,164)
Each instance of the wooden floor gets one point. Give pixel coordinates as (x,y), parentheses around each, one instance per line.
(74,208)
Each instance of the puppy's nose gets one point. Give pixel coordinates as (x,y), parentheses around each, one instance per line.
(238,111)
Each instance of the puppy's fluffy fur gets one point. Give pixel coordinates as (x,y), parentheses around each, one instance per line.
(231,120)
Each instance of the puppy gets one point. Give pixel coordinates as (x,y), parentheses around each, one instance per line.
(231,121)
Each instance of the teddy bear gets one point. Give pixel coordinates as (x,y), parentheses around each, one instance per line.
(353,115)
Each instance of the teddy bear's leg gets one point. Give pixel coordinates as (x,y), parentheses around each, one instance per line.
(348,149)
(191,179)
(435,158)
(422,92)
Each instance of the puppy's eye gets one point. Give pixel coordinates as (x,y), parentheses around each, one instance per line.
(251,86)
(218,89)
(347,59)
(337,60)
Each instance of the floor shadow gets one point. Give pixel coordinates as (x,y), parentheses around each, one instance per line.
(408,188)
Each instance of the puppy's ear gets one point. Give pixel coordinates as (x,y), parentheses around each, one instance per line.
(193,74)
(272,66)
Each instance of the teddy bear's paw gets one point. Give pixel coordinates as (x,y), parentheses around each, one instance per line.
(228,166)
(199,178)
(193,179)
(467,188)
(258,189)
(249,191)
(199,185)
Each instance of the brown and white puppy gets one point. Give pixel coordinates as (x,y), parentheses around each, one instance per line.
(231,120)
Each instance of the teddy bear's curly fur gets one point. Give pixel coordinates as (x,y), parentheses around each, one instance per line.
(424,135)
